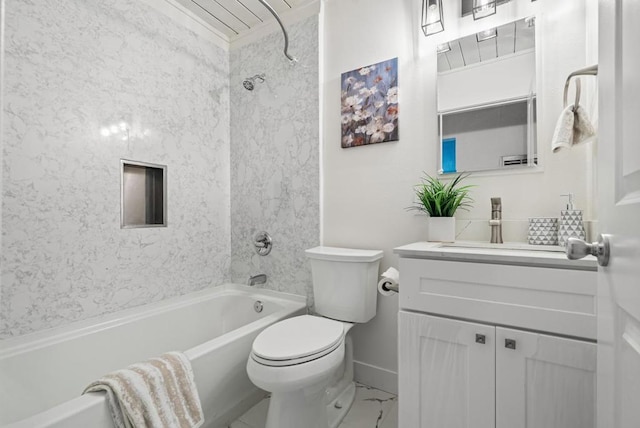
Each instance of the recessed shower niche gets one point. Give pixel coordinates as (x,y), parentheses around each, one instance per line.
(143,194)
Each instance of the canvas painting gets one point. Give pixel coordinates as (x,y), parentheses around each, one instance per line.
(370,104)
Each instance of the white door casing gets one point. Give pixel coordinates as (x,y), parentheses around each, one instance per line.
(618,373)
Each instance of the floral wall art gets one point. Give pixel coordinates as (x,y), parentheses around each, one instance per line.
(370,104)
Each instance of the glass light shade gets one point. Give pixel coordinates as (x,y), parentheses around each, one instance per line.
(444,47)
(483,8)
(432,17)
(486,34)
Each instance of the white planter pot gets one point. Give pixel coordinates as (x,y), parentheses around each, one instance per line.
(441,229)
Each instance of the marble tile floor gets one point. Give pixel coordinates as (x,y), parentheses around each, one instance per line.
(371,408)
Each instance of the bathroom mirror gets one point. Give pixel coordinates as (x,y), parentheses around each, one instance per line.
(143,198)
(487,99)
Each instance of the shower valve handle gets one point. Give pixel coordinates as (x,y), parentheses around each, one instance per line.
(262,243)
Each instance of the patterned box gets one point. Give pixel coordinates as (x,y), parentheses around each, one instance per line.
(543,231)
(571,226)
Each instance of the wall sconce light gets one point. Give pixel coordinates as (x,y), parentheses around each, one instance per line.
(483,8)
(432,17)
(486,35)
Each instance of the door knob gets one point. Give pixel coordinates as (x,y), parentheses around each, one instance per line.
(577,249)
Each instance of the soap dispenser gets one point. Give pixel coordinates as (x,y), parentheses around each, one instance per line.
(571,225)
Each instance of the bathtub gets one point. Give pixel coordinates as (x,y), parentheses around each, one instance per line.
(43,374)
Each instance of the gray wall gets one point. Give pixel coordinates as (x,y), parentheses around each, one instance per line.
(275,158)
(72,69)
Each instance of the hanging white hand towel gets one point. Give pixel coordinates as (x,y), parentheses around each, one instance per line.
(159,393)
(573,127)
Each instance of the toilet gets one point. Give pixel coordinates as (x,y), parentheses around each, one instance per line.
(306,362)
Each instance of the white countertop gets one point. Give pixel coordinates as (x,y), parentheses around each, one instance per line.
(511,253)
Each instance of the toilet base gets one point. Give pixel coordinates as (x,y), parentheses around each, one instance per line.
(338,408)
(297,409)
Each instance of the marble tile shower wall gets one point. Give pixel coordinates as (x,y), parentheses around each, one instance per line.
(74,67)
(275,158)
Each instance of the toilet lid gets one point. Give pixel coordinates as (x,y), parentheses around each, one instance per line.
(299,338)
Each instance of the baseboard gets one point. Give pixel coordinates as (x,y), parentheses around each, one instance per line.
(376,377)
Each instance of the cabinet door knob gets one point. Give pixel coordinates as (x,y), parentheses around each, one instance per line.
(510,343)
(481,338)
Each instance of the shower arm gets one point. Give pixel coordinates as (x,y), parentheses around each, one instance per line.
(284,31)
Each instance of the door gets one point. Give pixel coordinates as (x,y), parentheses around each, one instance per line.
(447,373)
(544,381)
(619,211)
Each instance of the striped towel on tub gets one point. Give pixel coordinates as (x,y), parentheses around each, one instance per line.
(159,393)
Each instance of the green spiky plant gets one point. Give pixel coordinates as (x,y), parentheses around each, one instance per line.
(442,200)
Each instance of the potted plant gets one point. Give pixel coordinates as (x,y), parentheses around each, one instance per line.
(441,201)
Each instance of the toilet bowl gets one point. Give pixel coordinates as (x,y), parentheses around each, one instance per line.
(299,359)
(295,360)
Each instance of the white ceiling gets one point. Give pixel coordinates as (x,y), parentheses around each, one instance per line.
(236,18)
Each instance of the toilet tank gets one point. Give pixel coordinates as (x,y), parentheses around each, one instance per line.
(345,282)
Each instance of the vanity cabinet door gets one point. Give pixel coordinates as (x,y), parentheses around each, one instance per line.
(446,373)
(544,381)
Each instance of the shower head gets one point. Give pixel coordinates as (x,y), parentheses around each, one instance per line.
(248,84)
(250,81)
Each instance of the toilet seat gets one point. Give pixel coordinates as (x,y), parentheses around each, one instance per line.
(297,340)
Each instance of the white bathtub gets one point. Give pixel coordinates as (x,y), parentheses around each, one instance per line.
(43,374)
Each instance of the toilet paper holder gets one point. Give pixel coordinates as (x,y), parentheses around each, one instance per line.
(389,283)
(390,286)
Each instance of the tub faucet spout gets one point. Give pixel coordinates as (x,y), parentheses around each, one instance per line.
(257,279)
(496,221)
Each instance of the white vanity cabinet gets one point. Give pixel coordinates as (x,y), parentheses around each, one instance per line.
(446,379)
(459,374)
(484,344)
(544,381)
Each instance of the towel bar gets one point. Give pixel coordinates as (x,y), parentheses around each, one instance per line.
(587,71)
(577,101)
